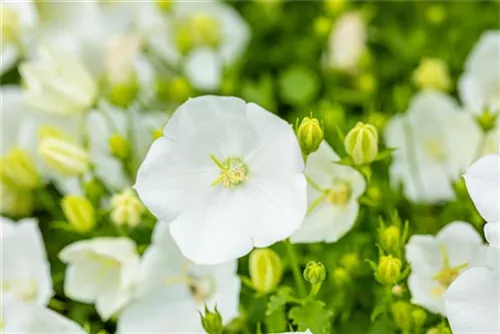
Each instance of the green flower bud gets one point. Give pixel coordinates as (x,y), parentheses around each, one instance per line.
(164,5)
(361,143)
(388,270)
(212,321)
(487,120)
(79,212)
(122,94)
(390,239)
(402,315)
(118,146)
(419,317)
(340,277)
(432,74)
(18,169)
(126,208)
(310,135)
(350,262)
(94,189)
(315,272)
(266,269)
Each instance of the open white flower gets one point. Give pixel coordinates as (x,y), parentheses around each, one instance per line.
(472,302)
(483,183)
(24,317)
(228,176)
(58,83)
(333,191)
(479,86)
(101,271)
(203,36)
(435,142)
(436,261)
(172,290)
(25,268)
(347,42)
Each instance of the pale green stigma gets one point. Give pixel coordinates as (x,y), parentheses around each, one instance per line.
(233,172)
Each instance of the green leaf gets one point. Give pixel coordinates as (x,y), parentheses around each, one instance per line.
(378,311)
(313,316)
(277,321)
(279,300)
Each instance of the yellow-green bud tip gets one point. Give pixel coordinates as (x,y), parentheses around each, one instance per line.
(310,135)
(18,170)
(361,143)
(401,313)
(79,212)
(266,269)
(212,321)
(388,270)
(118,146)
(390,238)
(315,272)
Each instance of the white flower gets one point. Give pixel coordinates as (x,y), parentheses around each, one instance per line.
(437,261)
(333,191)
(435,143)
(173,289)
(101,271)
(203,36)
(227,175)
(58,83)
(18,20)
(479,86)
(483,183)
(25,268)
(23,317)
(472,302)
(347,42)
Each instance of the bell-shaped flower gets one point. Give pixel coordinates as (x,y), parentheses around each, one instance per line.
(333,191)
(436,261)
(25,268)
(228,176)
(102,271)
(172,290)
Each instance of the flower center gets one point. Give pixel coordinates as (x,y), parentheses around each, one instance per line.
(339,194)
(233,172)
(200,287)
(25,289)
(447,274)
(435,149)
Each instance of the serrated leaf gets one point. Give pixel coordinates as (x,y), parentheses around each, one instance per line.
(277,321)
(278,300)
(312,316)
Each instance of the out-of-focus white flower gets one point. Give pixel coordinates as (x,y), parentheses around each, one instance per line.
(203,36)
(435,142)
(126,208)
(333,191)
(479,86)
(101,271)
(17,23)
(347,42)
(172,290)
(472,302)
(23,317)
(25,268)
(58,83)
(483,183)
(437,261)
(228,176)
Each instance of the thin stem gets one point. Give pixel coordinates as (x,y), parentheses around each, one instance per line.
(314,185)
(317,202)
(314,290)
(297,275)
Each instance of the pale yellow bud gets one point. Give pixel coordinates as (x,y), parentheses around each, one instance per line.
(390,239)
(126,208)
(63,156)
(266,269)
(388,270)
(432,74)
(401,313)
(310,135)
(361,143)
(79,212)
(18,169)
(119,146)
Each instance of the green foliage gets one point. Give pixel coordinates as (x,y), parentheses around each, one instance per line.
(312,315)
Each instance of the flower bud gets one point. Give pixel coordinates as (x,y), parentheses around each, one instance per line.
(340,277)
(18,169)
(122,94)
(119,146)
(266,269)
(401,313)
(315,272)
(388,270)
(212,321)
(361,143)
(350,262)
(432,74)
(63,156)
(487,120)
(310,135)
(419,317)
(79,212)
(94,189)
(15,202)
(390,239)
(126,208)
(164,5)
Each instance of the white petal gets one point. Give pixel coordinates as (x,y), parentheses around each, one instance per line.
(204,69)
(472,302)
(483,183)
(492,233)
(426,292)
(424,255)
(461,241)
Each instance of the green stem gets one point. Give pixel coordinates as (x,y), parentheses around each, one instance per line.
(314,290)
(297,275)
